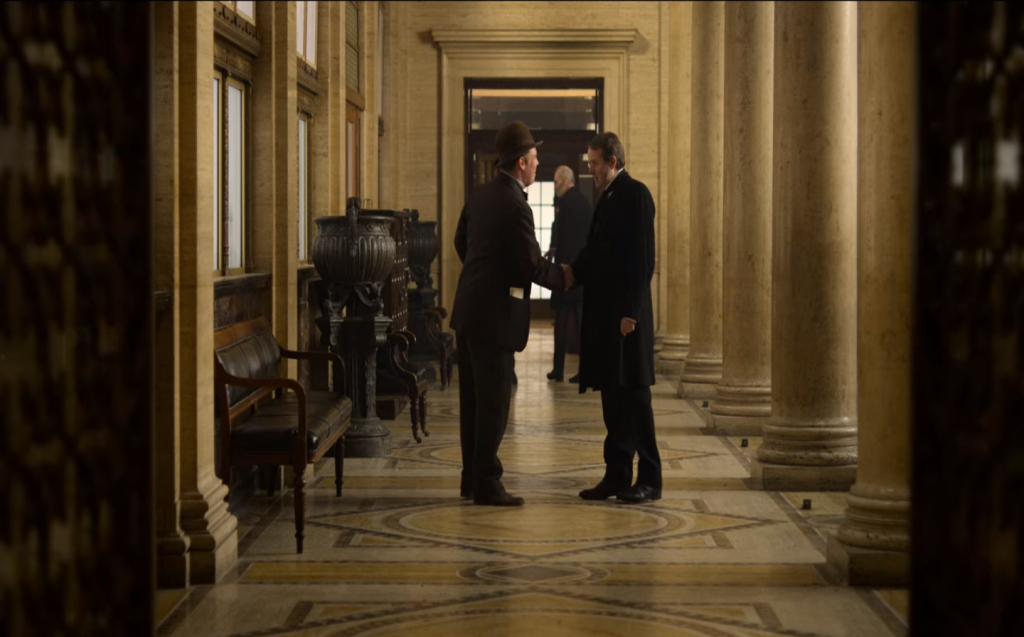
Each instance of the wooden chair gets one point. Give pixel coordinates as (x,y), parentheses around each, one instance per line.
(442,341)
(261,425)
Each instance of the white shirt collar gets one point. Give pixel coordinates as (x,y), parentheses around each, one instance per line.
(514,177)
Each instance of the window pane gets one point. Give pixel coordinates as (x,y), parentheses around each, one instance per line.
(533,193)
(352,68)
(300,27)
(351,160)
(246,9)
(303,187)
(311,32)
(235,128)
(540,109)
(216,173)
(380,61)
(352,24)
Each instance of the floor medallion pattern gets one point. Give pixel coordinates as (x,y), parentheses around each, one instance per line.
(401,554)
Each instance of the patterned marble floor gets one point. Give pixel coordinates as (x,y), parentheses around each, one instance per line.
(401,554)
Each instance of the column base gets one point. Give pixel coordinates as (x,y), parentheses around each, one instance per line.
(672,358)
(868,567)
(782,477)
(367,438)
(213,534)
(723,425)
(172,563)
(740,410)
(701,374)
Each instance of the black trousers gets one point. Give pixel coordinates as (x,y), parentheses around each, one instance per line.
(562,314)
(485,392)
(629,419)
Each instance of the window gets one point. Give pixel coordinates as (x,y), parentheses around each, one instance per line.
(541,197)
(229,128)
(303,187)
(352,156)
(245,9)
(352,45)
(305,24)
(380,62)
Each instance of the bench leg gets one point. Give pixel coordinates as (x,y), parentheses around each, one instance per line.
(300,505)
(423,414)
(414,415)
(339,465)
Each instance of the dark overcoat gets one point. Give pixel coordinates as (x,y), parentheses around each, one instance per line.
(570,236)
(497,244)
(616,267)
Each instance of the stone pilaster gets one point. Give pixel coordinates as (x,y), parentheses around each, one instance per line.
(743,399)
(810,442)
(212,531)
(703,367)
(676,340)
(336,97)
(275,170)
(873,541)
(172,544)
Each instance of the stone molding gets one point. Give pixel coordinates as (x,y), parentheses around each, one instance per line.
(454,39)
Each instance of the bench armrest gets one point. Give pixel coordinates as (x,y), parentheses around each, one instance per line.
(339,377)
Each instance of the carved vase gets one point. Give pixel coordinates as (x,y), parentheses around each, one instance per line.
(354,255)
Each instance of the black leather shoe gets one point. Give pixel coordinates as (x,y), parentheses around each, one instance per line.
(555,377)
(602,491)
(575,379)
(466,494)
(639,493)
(503,499)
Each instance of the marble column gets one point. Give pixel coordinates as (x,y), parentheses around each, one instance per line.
(211,529)
(743,399)
(810,441)
(172,562)
(703,368)
(676,340)
(873,541)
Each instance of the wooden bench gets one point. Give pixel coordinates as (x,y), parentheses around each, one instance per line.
(261,424)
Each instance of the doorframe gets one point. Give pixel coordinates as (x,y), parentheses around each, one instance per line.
(507,53)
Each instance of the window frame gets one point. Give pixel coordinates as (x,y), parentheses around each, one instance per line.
(303,54)
(222,141)
(304,189)
(233,5)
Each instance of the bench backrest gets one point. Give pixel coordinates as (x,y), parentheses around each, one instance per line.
(247,350)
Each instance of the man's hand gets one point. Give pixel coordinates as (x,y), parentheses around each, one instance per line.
(569,278)
(627,325)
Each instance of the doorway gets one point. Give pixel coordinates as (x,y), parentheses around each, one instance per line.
(565,113)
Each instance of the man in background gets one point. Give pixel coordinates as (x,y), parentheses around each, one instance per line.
(568,237)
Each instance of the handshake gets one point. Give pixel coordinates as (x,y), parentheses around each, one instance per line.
(569,278)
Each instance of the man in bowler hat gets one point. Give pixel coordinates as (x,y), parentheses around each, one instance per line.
(501,260)
(617,340)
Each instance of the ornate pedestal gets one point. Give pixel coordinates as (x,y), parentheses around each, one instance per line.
(423,249)
(354,254)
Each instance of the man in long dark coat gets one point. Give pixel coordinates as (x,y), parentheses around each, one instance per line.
(501,260)
(569,236)
(617,345)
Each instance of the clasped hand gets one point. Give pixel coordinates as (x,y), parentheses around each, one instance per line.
(569,278)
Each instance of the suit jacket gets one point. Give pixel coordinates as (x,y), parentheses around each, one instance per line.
(497,245)
(569,236)
(616,267)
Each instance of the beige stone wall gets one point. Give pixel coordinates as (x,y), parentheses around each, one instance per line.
(415,100)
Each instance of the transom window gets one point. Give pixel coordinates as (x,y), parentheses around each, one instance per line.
(305,24)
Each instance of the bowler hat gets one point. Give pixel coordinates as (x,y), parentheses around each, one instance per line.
(512,141)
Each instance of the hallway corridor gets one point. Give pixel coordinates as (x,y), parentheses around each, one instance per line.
(401,554)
